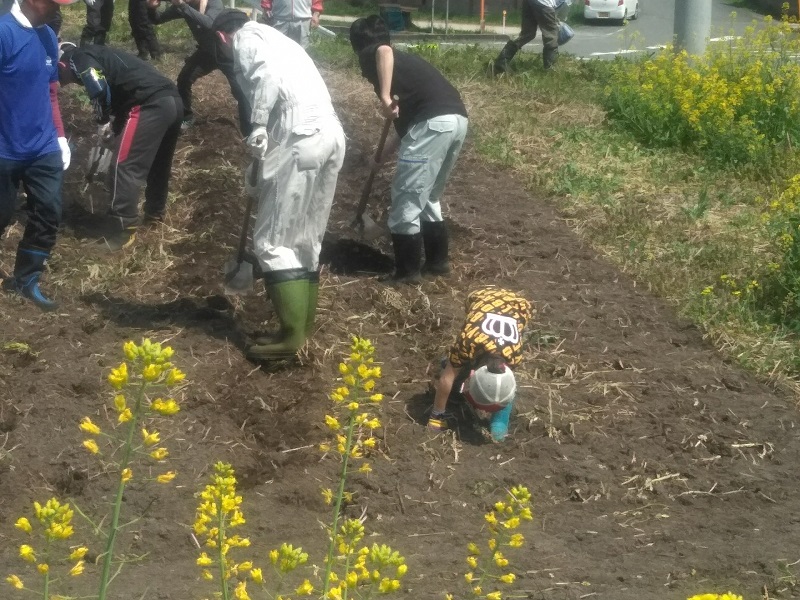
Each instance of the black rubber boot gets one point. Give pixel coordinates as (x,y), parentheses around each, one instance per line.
(141,47)
(288,290)
(549,57)
(407,258)
(435,240)
(501,63)
(25,281)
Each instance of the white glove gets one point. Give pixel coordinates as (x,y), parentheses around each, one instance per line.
(89,2)
(66,153)
(258,142)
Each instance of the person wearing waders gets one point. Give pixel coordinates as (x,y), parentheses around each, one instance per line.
(431,123)
(293,18)
(147,113)
(199,16)
(33,148)
(539,14)
(298,145)
(480,365)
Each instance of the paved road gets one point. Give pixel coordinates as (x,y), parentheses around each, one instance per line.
(654,28)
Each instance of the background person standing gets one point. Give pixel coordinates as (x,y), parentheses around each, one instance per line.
(33,149)
(199,16)
(99,15)
(143,30)
(293,18)
(539,14)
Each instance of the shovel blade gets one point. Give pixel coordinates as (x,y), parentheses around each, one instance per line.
(238,277)
(369,230)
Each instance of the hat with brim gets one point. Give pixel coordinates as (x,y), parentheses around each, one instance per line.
(488,391)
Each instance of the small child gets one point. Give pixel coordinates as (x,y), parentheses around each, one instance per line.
(481,361)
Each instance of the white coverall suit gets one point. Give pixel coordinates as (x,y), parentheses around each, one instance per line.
(298,175)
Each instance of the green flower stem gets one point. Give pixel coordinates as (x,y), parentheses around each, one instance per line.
(112,532)
(220,540)
(338,507)
(46,593)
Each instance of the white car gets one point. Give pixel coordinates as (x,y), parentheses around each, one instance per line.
(611,9)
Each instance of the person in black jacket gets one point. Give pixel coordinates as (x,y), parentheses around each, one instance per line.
(147,111)
(431,124)
(199,16)
(143,30)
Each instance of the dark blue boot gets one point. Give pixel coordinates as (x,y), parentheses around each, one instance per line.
(25,281)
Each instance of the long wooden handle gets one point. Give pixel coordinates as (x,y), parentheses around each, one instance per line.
(247,212)
(362,203)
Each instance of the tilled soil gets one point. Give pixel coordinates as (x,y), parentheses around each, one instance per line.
(658,469)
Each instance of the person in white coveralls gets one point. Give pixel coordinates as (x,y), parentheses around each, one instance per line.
(298,144)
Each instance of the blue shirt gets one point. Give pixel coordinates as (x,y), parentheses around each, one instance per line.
(28,64)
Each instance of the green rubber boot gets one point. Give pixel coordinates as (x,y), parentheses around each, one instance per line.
(311,314)
(313,296)
(289,291)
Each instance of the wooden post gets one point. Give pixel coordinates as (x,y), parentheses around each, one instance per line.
(483,15)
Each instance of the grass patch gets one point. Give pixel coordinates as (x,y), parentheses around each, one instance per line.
(674,220)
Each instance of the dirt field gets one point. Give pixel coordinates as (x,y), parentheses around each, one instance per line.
(658,470)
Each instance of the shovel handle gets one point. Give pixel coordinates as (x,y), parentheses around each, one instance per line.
(362,203)
(248,211)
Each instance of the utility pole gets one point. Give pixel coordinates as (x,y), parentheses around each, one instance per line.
(692,25)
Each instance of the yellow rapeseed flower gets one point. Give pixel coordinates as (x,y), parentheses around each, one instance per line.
(494,596)
(166,408)
(43,568)
(87,426)
(508,578)
(15,582)
(125,416)
(332,423)
(119,377)
(119,403)
(126,475)
(78,553)
(257,576)
(327,495)
(23,524)
(150,439)
(174,377)
(204,560)
(151,373)
(304,589)
(91,446)
(27,553)
(472,562)
(166,477)
(159,454)
(77,569)
(365,468)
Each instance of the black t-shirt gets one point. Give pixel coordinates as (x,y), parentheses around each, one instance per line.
(132,81)
(422,90)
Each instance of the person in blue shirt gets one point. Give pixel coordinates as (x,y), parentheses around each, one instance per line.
(33,149)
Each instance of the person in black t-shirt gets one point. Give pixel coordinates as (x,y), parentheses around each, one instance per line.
(199,16)
(147,113)
(431,123)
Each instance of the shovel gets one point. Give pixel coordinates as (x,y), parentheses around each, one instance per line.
(368,229)
(238,278)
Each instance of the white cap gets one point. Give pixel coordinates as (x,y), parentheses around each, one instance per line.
(488,391)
